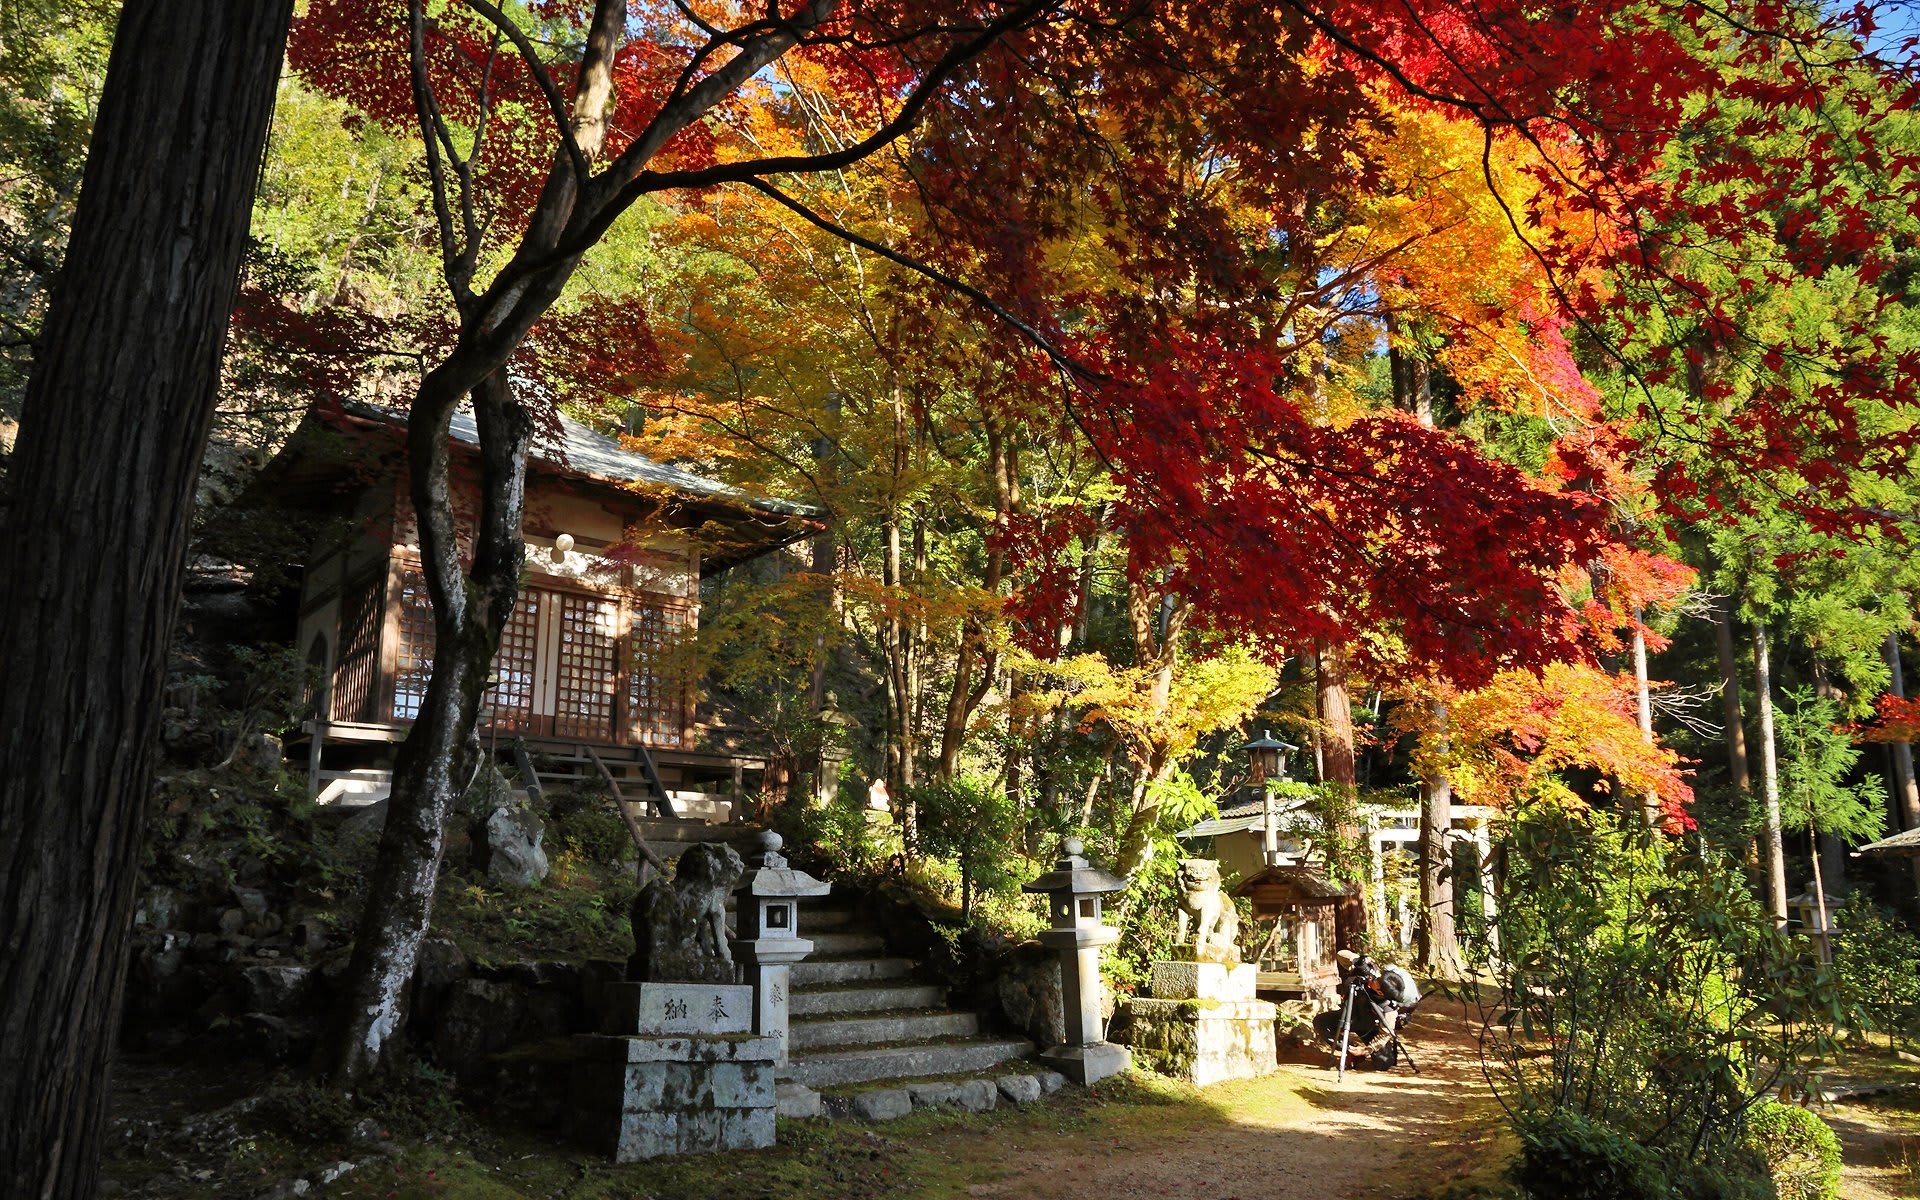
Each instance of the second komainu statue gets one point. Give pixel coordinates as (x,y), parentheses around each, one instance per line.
(680,927)
(1210,913)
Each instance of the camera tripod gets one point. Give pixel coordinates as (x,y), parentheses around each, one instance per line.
(1346,1028)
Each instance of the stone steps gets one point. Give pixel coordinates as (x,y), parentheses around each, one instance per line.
(833,944)
(862,998)
(848,970)
(953,1056)
(858,1018)
(971,1092)
(881,1027)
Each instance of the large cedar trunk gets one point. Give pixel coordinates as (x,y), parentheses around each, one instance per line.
(1736,733)
(1335,707)
(1437,936)
(1156,620)
(1336,721)
(94,540)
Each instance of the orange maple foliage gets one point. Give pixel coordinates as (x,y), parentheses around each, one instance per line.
(1521,733)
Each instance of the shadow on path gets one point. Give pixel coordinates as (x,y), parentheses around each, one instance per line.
(1296,1134)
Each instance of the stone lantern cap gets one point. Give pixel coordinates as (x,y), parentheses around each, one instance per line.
(1269,742)
(769,875)
(1072,873)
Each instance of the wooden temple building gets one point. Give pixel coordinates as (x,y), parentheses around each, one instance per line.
(594,670)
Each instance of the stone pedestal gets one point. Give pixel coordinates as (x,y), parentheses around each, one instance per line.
(1203,1024)
(640,1097)
(1086,1056)
(1203,981)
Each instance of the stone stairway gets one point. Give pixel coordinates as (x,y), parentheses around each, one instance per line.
(870,1037)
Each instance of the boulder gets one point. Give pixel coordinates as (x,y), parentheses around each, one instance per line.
(253,903)
(160,908)
(1030,994)
(436,969)
(258,752)
(882,1104)
(273,988)
(361,831)
(478,1022)
(506,846)
(274,1038)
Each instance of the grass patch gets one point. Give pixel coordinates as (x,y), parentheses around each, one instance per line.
(578,912)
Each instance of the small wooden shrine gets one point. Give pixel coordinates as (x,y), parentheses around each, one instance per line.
(1311,914)
(597,652)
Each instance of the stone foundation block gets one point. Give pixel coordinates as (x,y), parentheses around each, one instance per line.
(641,1097)
(797,1100)
(1086,1065)
(972,1095)
(1203,1042)
(1019,1089)
(644,1135)
(1203,981)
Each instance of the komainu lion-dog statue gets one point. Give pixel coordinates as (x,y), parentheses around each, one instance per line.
(680,926)
(1216,926)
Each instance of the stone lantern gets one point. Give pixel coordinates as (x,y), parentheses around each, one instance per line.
(1073,890)
(1267,756)
(768,941)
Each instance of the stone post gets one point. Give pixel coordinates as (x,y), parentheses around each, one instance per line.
(1073,890)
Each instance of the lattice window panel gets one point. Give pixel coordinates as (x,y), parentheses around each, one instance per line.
(514,663)
(584,668)
(352,692)
(413,657)
(656,675)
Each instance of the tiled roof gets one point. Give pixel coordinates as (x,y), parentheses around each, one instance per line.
(1900,845)
(581,450)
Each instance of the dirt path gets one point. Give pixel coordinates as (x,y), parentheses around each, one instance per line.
(1880,1150)
(1296,1134)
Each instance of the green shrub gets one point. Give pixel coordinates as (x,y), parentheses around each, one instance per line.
(1736,1179)
(1566,1156)
(595,832)
(1642,987)
(1801,1151)
(972,823)
(1878,962)
(836,838)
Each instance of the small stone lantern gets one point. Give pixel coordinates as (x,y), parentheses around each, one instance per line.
(1267,756)
(768,941)
(1073,890)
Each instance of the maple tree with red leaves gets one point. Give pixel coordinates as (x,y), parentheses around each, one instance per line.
(1205,161)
